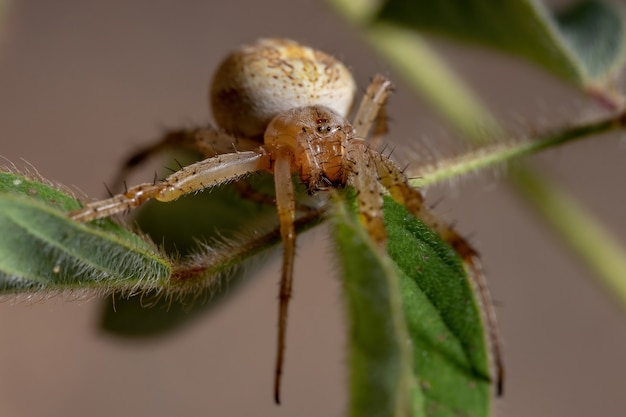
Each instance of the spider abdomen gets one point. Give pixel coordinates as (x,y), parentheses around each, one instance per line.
(258,81)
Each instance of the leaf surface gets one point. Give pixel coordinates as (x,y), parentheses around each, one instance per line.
(584,44)
(413,311)
(41,249)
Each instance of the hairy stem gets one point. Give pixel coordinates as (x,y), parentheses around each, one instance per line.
(502,152)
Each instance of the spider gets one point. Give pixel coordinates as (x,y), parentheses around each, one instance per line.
(294,99)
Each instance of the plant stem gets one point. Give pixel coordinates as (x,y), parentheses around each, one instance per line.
(502,152)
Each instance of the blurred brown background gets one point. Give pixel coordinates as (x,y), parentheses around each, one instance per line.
(83,83)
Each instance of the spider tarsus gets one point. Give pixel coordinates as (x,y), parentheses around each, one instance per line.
(277,390)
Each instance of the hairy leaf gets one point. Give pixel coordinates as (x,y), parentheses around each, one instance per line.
(41,249)
(413,310)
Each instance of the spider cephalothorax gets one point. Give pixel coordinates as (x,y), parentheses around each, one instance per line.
(319,138)
(286,91)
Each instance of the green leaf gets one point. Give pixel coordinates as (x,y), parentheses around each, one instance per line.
(595,31)
(445,322)
(42,249)
(420,293)
(381,363)
(583,44)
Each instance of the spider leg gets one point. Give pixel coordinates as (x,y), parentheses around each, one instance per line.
(372,110)
(195,177)
(208,141)
(285,202)
(380,128)
(369,191)
(396,182)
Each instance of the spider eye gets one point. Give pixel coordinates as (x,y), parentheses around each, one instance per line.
(323,129)
(304,129)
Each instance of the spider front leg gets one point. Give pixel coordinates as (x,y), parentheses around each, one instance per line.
(209,141)
(371,113)
(196,177)
(286,206)
(369,190)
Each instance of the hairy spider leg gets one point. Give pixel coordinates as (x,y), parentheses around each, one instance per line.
(285,203)
(195,177)
(369,191)
(372,112)
(209,141)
